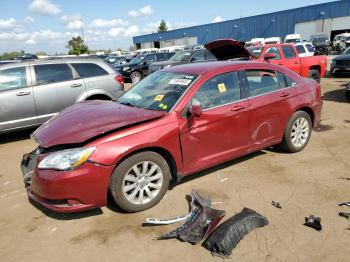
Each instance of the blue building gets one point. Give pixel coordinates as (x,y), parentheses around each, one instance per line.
(330,18)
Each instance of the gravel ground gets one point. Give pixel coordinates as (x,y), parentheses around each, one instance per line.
(305,183)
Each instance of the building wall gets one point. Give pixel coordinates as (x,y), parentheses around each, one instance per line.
(267,25)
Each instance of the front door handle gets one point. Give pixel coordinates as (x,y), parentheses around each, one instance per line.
(23,94)
(284,94)
(76,85)
(296,62)
(238,108)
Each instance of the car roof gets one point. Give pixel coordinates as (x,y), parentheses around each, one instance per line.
(205,67)
(54,61)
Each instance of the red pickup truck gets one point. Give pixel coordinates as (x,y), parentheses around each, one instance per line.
(280,54)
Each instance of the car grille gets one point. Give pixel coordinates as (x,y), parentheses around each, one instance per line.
(343,62)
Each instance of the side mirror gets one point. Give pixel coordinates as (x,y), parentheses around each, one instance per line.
(269,56)
(195,110)
(193,59)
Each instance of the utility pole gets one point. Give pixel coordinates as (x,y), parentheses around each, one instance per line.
(82,28)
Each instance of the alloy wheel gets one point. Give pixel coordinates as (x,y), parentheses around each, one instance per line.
(300,132)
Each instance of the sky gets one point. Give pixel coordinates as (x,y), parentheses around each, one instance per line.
(47,25)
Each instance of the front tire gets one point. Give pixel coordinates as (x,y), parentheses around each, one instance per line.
(140,181)
(297,133)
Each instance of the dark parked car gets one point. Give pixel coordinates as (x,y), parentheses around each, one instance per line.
(32,92)
(173,123)
(321,44)
(341,64)
(138,67)
(27,57)
(183,57)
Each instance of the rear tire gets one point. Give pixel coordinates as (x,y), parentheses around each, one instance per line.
(315,74)
(140,181)
(297,133)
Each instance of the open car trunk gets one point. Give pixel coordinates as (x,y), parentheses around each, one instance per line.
(226,49)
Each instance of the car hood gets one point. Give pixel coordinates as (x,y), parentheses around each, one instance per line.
(83,121)
(225,49)
(165,63)
(341,57)
(126,65)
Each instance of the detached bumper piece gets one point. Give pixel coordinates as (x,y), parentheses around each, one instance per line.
(313,222)
(227,236)
(200,223)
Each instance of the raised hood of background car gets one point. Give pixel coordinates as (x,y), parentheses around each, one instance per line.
(225,49)
(83,121)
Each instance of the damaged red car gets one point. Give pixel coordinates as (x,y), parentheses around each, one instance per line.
(173,123)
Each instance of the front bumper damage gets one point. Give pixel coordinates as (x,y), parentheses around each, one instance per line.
(83,188)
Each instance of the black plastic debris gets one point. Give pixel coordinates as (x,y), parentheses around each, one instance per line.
(344,204)
(200,224)
(276,204)
(313,222)
(227,236)
(343,214)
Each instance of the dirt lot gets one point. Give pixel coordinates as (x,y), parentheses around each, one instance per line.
(304,183)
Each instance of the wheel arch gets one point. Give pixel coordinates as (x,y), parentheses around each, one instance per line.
(309,111)
(315,67)
(169,158)
(94,92)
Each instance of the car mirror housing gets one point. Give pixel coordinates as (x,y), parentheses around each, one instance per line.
(195,110)
(269,56)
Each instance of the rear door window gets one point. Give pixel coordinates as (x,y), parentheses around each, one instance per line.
(288,52)
(13,78)
(52,73)
(150,59)
(310,48)
(261,82)
(219,90)
(89,70)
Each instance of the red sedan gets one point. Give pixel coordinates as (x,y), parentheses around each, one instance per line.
(175,122)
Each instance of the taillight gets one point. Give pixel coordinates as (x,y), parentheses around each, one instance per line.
(119,78)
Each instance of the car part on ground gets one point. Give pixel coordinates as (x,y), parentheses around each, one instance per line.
(344,204)
(155,221)
(343,214)
(200,224)
(227,236)
(313,222)
(276,204)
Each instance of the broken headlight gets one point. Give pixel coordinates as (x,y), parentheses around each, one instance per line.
(66,159)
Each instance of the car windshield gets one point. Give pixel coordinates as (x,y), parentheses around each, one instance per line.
(320,40)
(347,51)
(255,51)
(181,56)
(159,91)
(295,40)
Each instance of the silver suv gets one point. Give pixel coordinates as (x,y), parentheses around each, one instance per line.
(34,91)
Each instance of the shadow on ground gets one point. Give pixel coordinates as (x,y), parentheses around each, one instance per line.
(336,96)
(15,136)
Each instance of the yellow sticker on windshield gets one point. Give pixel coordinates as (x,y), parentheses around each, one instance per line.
(222,87)
(159,98)
(161,105)
(165,107)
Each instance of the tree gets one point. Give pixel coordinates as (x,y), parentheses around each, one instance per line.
(41,53)
(76,46)
(11,55)
(162,27)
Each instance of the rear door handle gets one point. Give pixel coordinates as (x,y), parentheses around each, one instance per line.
(238,108)
(284,94)
(23,94)
(76,85)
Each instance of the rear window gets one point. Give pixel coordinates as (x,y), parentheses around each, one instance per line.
(288,52)
(89,70)
(300,49)
(52,73)
(310,48)
(13,78)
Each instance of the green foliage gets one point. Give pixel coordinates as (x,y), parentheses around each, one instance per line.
(11,55)
(162,27)
(76,46)
(41,53)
